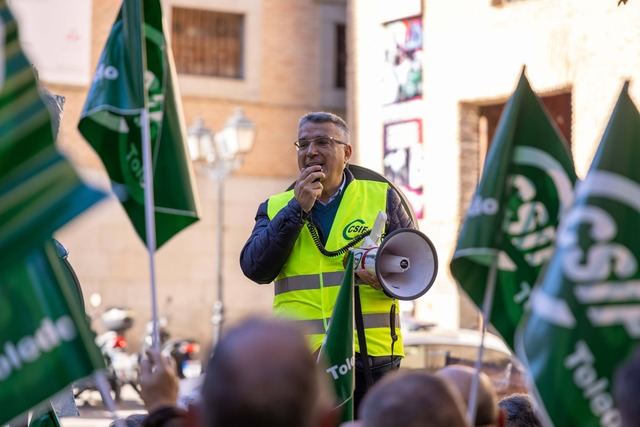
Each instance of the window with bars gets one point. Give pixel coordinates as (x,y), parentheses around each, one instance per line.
(208,43)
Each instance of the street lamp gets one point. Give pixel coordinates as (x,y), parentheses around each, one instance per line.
(221,154)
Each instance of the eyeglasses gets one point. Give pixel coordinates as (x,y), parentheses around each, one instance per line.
(320,142)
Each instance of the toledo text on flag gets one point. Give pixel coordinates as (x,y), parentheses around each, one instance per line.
(584,319)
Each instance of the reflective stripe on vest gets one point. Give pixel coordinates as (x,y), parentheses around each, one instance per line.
(371,320)
(307,282)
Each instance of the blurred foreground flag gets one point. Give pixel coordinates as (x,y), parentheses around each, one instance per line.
(337,352)
(133,74)
(39,190)
(526,185)
(45,341)
(584,319)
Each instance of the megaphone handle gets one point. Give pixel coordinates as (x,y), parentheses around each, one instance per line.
(378,227)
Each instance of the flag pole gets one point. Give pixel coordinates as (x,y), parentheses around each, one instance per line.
(487,303)
(150,221)
(102,384)
(149,204)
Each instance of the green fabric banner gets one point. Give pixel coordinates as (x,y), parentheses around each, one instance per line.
(127,72)
(337,352)
(526,185)
(584,319)
(45,340)
(39,190)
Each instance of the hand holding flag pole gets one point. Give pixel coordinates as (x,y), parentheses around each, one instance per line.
(133,119)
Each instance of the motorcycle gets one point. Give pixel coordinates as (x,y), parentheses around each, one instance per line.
(122,367)
(185,352)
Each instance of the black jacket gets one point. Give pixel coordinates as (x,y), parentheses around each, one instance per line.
(271,241)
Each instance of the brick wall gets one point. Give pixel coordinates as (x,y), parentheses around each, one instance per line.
(289,58)
(108,256)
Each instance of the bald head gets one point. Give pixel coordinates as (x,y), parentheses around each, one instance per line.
(412,399)
(262,374)
(461,377)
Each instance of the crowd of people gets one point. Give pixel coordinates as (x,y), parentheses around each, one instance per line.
(262,374)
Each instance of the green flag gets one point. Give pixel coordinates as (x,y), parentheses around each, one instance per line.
(110,120)
(45,341)
(337,353)
(39,190)
(585,313)
(526,184)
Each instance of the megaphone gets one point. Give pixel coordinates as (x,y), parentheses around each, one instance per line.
(405,264)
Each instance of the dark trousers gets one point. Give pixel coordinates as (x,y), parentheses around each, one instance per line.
(380,366)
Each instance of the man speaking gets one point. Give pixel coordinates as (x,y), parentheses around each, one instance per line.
(297,238)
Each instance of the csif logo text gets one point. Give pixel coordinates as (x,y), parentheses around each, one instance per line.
(28,349)
(354,228)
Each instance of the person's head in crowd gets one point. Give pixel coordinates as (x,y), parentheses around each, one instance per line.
(519,411)
(487,411)
(262,374)
(411,399)
(626,388)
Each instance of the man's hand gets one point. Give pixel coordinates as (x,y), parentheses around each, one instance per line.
(158,381)
(308,187)
(369,278)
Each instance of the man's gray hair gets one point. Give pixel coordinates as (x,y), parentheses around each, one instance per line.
(324,117)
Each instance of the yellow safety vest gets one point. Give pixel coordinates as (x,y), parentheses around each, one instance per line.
(308,284)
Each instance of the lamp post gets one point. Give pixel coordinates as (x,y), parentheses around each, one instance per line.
(221,154)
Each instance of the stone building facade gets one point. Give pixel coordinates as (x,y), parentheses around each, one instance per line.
(277,59)
(577,55)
